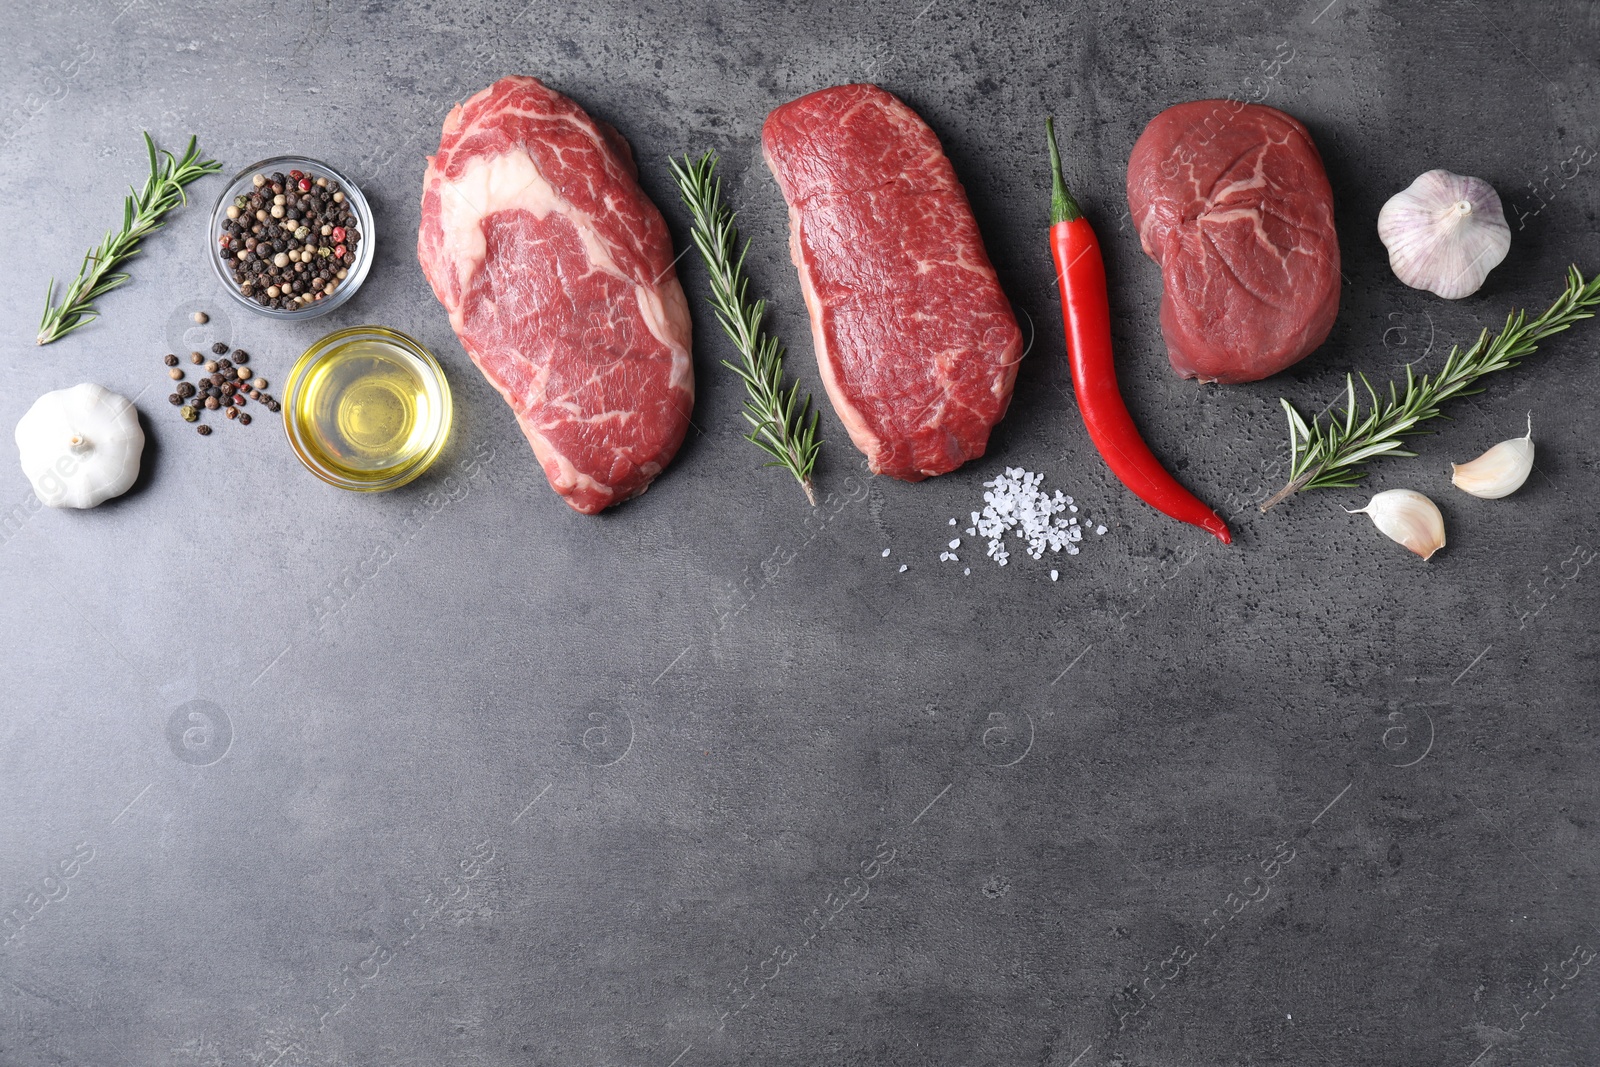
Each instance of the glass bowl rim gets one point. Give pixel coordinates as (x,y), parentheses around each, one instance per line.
(320,350)
(356,274)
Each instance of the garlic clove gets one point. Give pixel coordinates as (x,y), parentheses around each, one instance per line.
(1445,233)
(1407,517)
(1498,472)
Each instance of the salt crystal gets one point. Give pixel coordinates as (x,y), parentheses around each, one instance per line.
(952,522)
(955,542)
(886,553)
(967,571)
(1098,530)
(1055,575)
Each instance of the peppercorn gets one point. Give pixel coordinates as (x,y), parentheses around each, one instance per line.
(241,356)
(195,357)
(255,394)
(203,430)
(210,366)
(259,383)
(189,413)
(174,399)
(239,400)
(244,420)
(229,388)
(185,389)
(219,348)
(232,413)
(212,403)
(273,405)
(170,360)
(175,373)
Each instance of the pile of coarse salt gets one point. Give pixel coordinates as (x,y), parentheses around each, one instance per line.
(1015,503)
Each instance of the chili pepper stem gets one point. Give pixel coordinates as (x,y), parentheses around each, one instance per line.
(1063,208)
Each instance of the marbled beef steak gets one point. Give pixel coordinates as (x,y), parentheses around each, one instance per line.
(557,273)
(1231,199)
(916,343)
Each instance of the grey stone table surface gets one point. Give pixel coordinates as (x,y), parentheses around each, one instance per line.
(456,776)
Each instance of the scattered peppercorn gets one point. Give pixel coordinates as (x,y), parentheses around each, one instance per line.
(201,317)
(189,413)
(259,383)
(211,366)
(175,400)
(244,420)
(195,357)
(170,360)
(203,430)
(219,348)
(241,356)
(185,389)
(232,413)
(212,403)
(273,405)
(176,373)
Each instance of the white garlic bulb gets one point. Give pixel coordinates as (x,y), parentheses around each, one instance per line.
(1407,517)
(1498,472)
(80,446)
(1444,233)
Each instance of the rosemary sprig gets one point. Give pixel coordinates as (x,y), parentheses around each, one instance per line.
(1328,457)
(142,214)
(781,424)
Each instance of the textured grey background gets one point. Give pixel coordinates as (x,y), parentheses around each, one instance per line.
(475,780)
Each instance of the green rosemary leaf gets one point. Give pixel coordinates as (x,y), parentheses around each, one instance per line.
(781,424)
(1329,455)
(143,212)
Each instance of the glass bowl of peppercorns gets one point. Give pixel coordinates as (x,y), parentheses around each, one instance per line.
(291,238)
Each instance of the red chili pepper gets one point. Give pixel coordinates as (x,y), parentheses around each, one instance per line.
(1086,311)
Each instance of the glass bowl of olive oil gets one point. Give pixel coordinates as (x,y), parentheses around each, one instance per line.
(367,408)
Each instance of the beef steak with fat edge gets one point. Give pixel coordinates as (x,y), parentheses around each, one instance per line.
(915,341)
(1232,201)
(557,272)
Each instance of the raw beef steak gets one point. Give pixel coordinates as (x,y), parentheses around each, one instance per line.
(557,273)
(1231,199)
(916,343)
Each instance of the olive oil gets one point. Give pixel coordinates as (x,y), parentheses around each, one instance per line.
(368,408)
